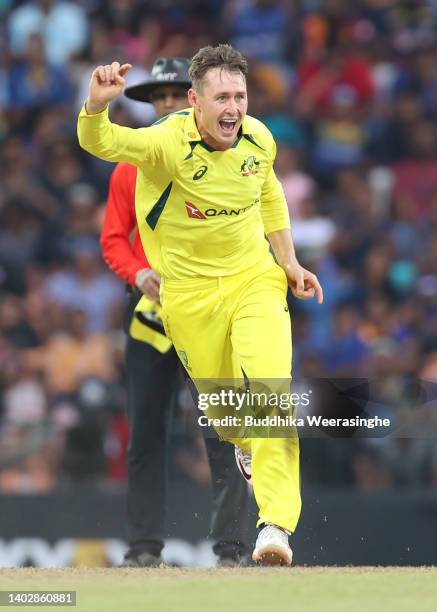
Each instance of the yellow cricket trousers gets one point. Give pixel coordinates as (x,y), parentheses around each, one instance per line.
(222,327)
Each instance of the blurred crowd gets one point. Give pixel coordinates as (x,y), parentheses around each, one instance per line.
(349,91)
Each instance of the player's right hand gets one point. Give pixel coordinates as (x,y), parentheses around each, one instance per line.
(303,283)
(107,82)
(148,282)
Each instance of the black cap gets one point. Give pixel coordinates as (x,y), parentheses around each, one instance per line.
(165,71)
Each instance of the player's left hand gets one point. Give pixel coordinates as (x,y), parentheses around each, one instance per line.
(303,283)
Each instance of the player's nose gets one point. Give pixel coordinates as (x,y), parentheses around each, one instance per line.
(232,108)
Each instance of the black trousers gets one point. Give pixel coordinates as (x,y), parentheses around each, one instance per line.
(152,379)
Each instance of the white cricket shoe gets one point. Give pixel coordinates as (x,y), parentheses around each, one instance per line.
(272,547)
(244,463)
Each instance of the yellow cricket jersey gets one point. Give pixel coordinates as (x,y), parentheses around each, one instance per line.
(200,212)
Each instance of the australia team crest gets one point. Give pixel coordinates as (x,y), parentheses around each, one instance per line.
(249,166)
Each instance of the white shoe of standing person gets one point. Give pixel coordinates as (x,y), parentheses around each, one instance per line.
(272,547)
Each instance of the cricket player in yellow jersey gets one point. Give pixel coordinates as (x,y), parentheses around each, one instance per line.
(206,197)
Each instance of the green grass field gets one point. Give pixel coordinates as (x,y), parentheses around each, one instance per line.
(250,589)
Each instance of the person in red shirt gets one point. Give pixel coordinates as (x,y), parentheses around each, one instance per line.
(152,365)
(320,72)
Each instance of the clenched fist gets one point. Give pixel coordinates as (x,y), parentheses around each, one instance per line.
(106,84)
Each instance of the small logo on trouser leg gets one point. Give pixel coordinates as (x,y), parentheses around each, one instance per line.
(183,357)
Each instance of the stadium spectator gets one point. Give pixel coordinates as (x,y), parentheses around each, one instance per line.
(415,178)
(258,28)
(297,184)
(62,26)
(86,285)
(33,83)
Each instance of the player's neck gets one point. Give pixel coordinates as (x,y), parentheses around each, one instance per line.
(209,140)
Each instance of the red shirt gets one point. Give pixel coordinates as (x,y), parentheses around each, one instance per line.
(120,240)
(415,187)
(355,72)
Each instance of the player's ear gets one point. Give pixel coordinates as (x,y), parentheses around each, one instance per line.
(193,98)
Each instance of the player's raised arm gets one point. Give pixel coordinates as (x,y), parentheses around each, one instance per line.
(107,140)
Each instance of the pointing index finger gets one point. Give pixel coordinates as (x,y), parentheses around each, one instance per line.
(319,291)
(314,282)
(125,68)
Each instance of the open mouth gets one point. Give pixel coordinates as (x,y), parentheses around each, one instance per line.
(228,125)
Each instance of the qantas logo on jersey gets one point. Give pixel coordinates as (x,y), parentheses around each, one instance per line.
(230,212)
(194,213)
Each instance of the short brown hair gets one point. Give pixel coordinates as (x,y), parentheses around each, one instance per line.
(222,56)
